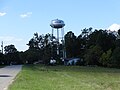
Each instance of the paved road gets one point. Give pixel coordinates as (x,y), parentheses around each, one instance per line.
(7,75)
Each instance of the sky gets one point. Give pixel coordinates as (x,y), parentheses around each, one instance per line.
(20,19)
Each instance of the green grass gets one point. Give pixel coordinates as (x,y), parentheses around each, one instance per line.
(37,77)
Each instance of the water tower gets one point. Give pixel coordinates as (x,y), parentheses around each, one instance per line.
(58,27)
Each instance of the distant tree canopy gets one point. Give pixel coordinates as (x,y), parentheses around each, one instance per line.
(70,43)
(93,55)
(94,47)
(46,45)
(102,38)
(11,55)
(10,49)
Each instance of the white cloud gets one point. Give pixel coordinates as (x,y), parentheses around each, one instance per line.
(25,15)
(114,27)
(9,38)
(2,13)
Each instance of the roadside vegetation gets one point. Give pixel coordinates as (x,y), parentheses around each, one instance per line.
(1,66)
(93,47)
(40,77)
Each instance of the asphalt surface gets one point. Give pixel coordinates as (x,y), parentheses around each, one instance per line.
(7,75)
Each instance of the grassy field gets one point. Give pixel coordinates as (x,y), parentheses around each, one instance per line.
(37,77)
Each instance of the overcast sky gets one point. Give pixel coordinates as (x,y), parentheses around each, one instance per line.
(20,19)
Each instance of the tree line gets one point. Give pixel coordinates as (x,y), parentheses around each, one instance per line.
(93,47)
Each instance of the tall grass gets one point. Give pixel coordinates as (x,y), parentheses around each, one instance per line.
(38,77)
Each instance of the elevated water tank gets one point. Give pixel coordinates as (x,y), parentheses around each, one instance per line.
(57,23)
